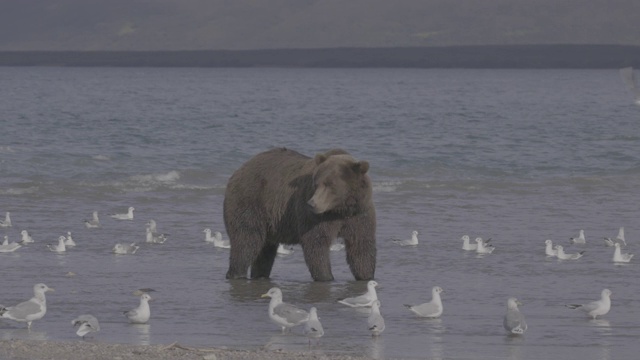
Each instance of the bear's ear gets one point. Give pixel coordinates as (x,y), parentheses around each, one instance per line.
(320,158)
(361,167)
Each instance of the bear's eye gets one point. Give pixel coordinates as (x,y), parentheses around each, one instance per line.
(328,183)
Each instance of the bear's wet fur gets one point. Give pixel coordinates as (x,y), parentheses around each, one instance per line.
(282,196)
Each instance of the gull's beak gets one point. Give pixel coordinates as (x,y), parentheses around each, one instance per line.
(519,303)
(50,289)
(265,296)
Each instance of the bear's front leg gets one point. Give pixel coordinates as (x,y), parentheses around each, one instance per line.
(359,235)
(317,256)
(261,267)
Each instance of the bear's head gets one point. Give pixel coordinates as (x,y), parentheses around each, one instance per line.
(340,184)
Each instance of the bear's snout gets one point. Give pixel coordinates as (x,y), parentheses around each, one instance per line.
(313,206)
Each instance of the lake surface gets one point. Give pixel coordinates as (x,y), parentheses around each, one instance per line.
(519,156)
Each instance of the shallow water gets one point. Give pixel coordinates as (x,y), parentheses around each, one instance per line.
(518,156)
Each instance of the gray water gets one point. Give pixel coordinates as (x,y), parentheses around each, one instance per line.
(519,156)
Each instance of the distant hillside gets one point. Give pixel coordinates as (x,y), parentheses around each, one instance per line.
(487,56)
(144,25)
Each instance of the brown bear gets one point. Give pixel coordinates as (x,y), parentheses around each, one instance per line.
(282,196)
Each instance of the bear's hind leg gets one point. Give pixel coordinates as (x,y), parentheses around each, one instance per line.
(261,267)
(245,249)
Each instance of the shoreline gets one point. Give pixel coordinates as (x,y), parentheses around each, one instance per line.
(542,56)
(17,349)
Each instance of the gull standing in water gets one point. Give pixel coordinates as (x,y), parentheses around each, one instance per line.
(619,257)
(124,249)
(282,314)
(312,327)
(364,300)
(408,242)
(284,251)
(94,222)
(9,247)
(580,239)
(216,239)
(30,310)
(142,313)
(482,247)
(26,238)
(155,238)
(433,308)
(549,250)
(127,216)
(337,245)
(619,238)
(69,240)
(7,220)
(468,246)
(375,320)
(595,308)
(562,256)
(514,321)
(60,247)
(86,324)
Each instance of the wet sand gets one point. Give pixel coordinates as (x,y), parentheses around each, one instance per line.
(80,350)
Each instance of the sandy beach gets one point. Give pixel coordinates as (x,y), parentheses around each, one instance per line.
(41,350)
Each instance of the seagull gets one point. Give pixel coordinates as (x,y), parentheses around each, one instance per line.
(549,250)
(127,216)
(620,235)
(30,310)
(26,238)
(283,314)
(313,327)
(364,300)
(433,308)
(60,247)
(155,238)
(595,308)
(375,320)
(514,321)
(562,256)
(409,242)
(69,240)
(284,251)
(142,313)
(151,224)
(9,247)
(482,247)
(94,222)
(618,256)
(337,245)
(124,249)
(580,239)
(216,239)
(7,220)
(619,238)
(86,324)
(467,245)
(629,78)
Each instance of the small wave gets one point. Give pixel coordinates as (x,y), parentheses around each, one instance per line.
(386,186)
(170,177)
(101,158)
(21,191)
